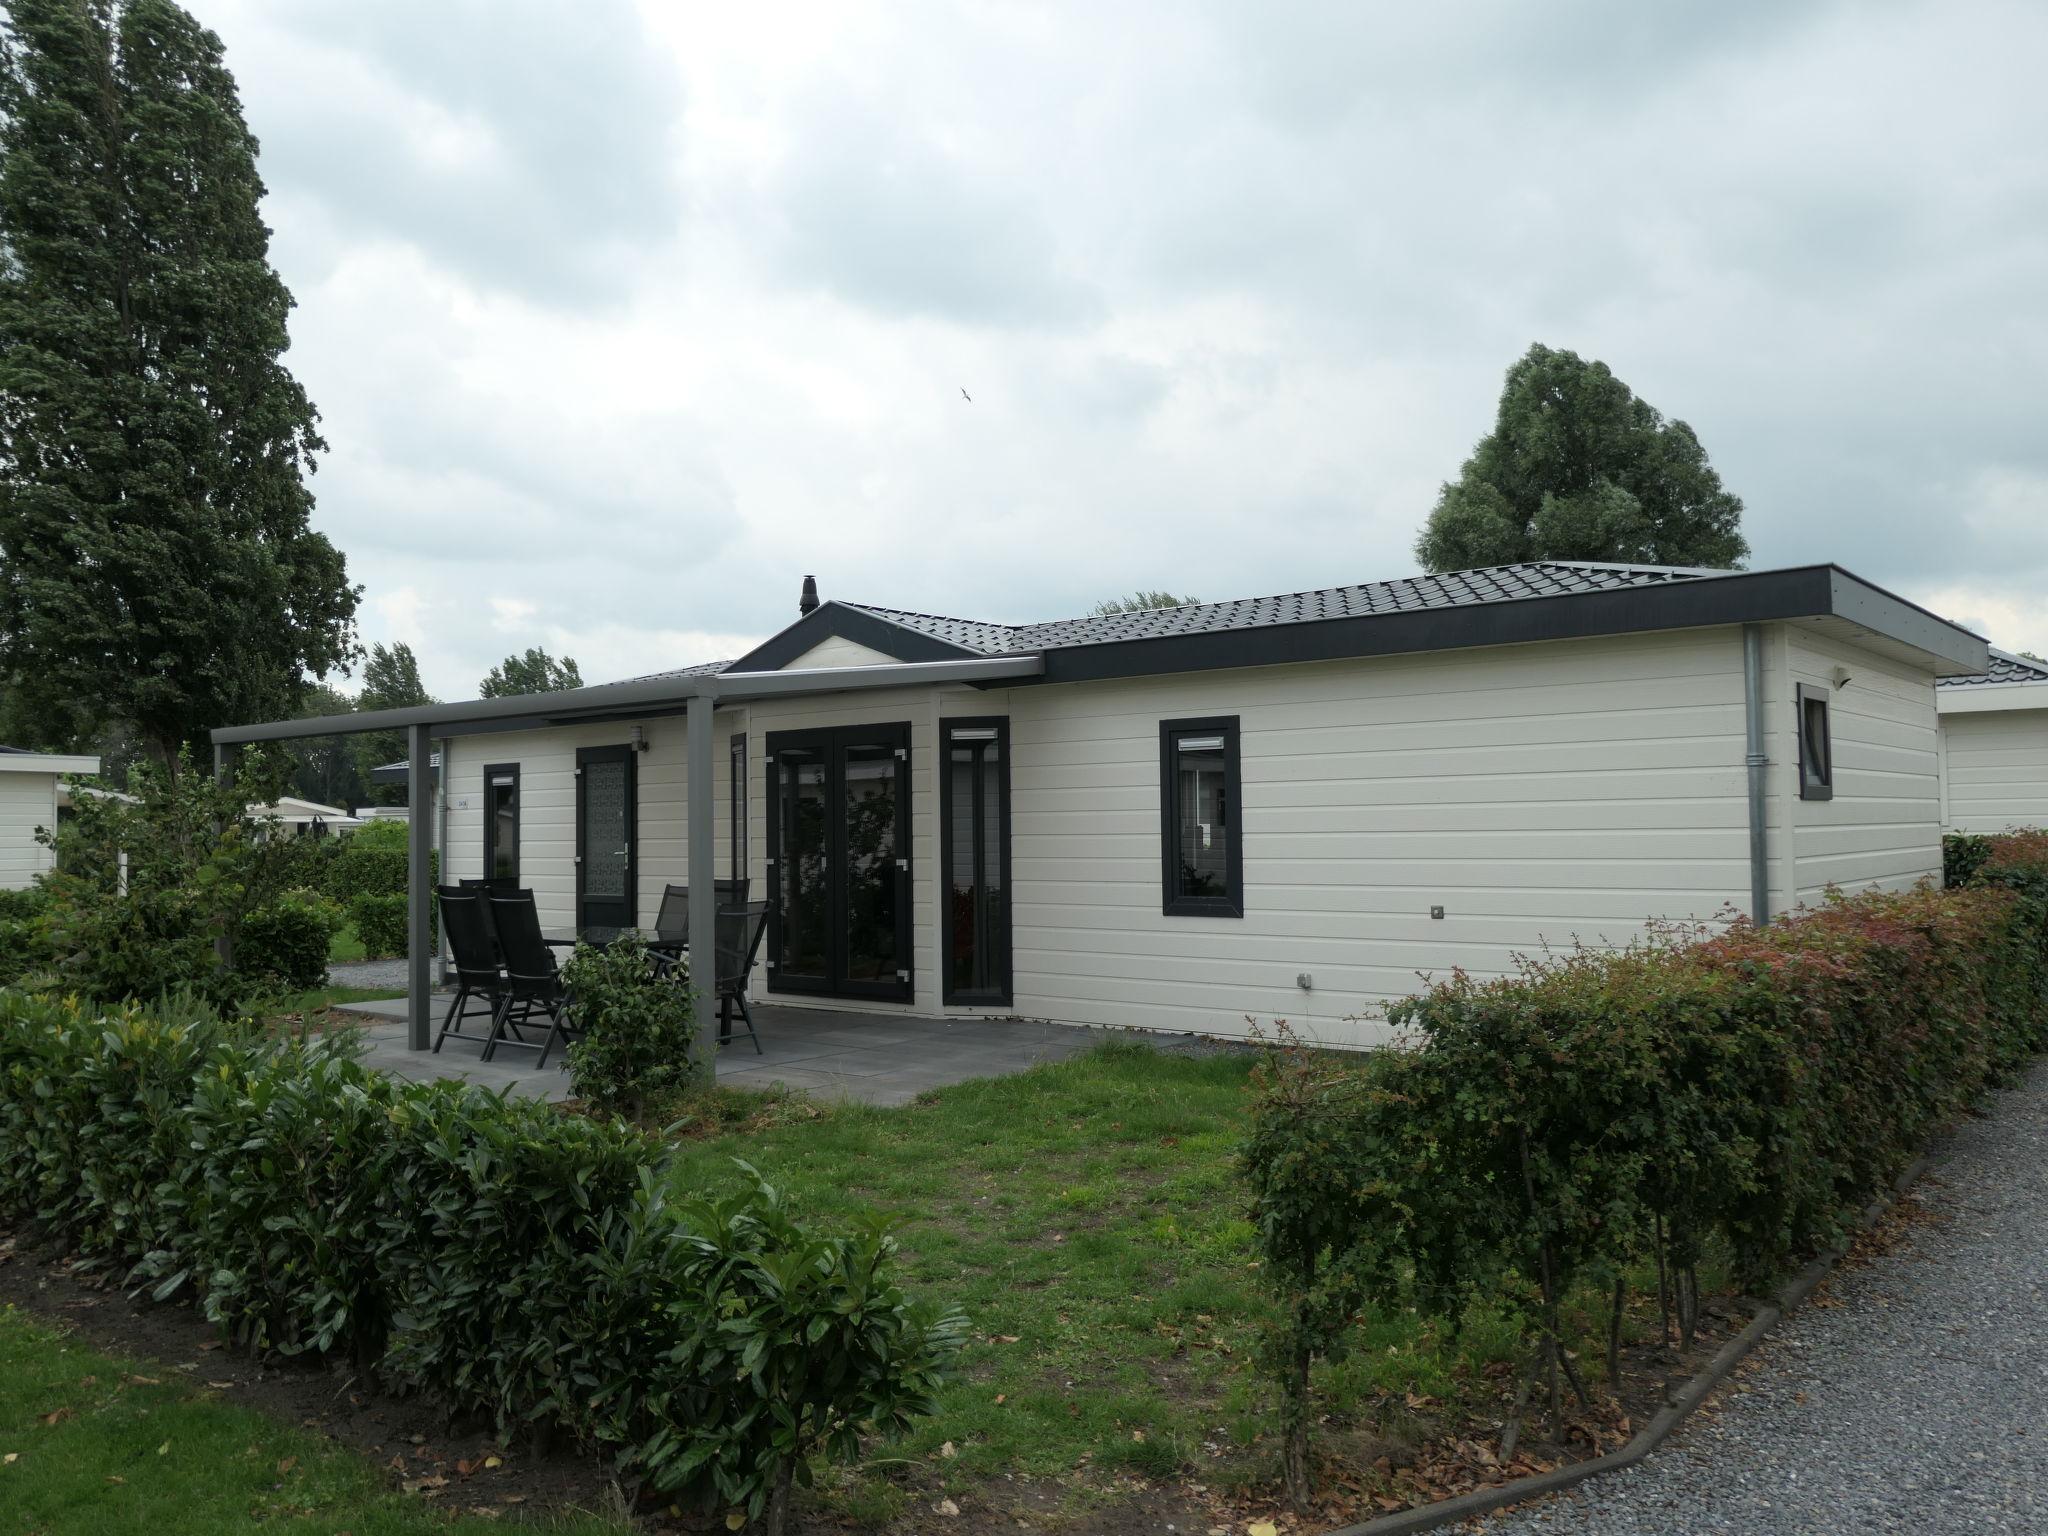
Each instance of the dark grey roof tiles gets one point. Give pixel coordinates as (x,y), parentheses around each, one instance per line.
(2005,668)
(1409,594)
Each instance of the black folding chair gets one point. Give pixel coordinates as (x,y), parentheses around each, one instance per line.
(533,982)
(478,976)
(672,922)
(487,886)
(739,941)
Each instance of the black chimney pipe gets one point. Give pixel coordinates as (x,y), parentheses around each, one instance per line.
(809,600)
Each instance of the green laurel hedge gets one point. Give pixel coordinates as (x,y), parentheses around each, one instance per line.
(1550,1133)
(504,1255)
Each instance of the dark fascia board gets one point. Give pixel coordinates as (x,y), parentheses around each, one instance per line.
(1813,591)
(835,620)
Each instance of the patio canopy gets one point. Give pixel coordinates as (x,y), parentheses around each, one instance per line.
(696,695)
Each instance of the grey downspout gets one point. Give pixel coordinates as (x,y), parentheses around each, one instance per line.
(1757,761)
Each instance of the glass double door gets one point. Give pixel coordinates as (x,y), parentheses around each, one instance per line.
(839,861)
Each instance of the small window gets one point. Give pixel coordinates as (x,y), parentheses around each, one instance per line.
(1201,838)
(501,822)
(1816,746)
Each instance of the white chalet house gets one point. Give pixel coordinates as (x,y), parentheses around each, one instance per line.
(1206,817)
(1994,746)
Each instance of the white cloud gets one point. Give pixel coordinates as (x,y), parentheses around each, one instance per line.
(620,328)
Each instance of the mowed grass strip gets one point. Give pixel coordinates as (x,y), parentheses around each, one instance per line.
(92,1446)
(1088,1217)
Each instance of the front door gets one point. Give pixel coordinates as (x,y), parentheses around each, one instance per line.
(839,861)
(607,855)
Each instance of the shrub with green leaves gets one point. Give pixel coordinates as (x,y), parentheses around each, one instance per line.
(636,1026)
(1961,854)
(510,1258)
(285,944)
(1553,1131)
(151,889)
(381,922)
(24,938)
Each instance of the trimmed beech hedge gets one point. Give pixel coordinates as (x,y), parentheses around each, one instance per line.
(512,1258)
(1554,1132)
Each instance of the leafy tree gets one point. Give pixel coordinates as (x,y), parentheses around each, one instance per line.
(159,568)
(1577,467)
(1137,602)
(391,680)
(325,768)
(534,672)
(145,884)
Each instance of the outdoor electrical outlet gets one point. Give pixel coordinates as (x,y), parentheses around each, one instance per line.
(1436,911)
(1306,982)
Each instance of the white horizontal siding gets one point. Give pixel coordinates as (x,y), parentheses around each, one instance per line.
(836,651)
(1541,794)
(1882,828)
(27,801)
(1997,768)
(547,808)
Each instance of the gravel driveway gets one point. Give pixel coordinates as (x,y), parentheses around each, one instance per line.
(1919,1404)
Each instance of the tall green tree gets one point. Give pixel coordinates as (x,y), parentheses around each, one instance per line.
(1577,467)
(157,566)
(391,680)
(534,672)
(325,768)
(1137,602)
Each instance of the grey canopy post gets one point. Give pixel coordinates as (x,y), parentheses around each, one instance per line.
(703,862)
(419,889)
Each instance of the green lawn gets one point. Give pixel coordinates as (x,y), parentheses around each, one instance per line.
(1089,1219)
(345,946)
(90,1446)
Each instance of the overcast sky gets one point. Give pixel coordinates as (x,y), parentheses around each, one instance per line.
(622,318)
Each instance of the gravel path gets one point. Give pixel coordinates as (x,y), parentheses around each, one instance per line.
(1919,1404)
(366,973)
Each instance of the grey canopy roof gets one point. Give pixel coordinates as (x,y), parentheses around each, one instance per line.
(2005,668)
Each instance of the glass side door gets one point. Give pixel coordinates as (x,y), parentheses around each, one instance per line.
(839,861)
(607,860)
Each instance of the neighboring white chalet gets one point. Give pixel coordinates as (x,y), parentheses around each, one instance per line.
(1994,746)
(1225,814)
(31,794)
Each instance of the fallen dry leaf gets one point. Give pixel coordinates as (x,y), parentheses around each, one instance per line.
(735,1519)
(10,1458)
(487,1512)
(142,1381)
(1000,1398)
(1262,1528)
(946,1507)
(947,1450)
(286,1465)
(220,1386)
(493,1461)
(57,1417)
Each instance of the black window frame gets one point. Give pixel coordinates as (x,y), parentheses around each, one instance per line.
(1816,785)
(737,850)
(1173,903)
(493,771)
(1001,994)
